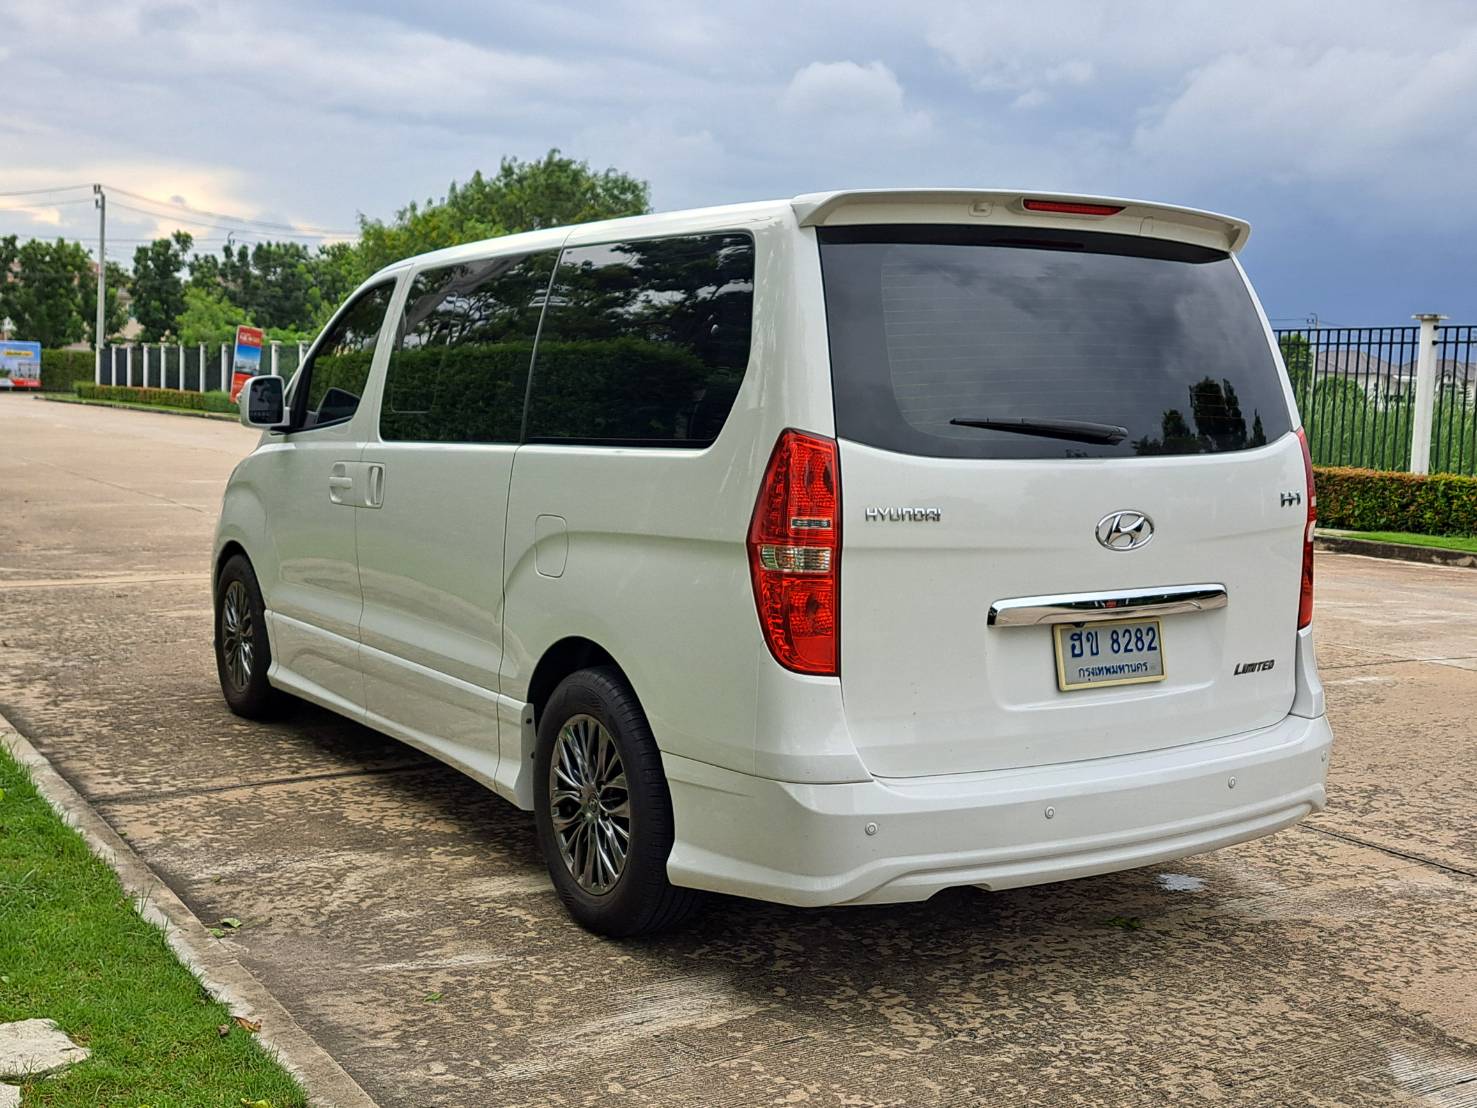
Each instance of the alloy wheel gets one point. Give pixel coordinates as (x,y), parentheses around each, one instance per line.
(590,804)
(237,645)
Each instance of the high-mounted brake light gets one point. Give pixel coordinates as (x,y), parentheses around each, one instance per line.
(1305,603)
(1071,208)
(795,553)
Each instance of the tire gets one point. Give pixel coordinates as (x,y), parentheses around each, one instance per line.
(242,653)
(595,712)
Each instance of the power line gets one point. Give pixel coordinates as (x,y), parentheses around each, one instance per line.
(173,207)
(43,204)
(221,226)
(198,239)
(34,192)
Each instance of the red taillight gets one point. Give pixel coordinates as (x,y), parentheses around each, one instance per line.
(1071,207)
(795,553)
(1305,604)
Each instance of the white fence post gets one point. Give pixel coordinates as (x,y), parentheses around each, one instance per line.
(276,349)
(112,365)
(202,367)
(225,385)
(182,367)
(1425,394)
(97,366)
(144,350)
(128,365)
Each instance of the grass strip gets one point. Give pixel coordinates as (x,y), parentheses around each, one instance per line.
(72,949)
(1465,543)
(169,409)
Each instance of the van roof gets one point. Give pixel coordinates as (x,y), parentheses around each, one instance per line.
(900,205)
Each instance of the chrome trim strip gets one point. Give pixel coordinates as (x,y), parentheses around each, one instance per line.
(1090,607)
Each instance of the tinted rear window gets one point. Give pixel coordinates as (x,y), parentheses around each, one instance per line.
(931,324)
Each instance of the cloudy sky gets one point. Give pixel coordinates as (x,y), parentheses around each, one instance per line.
(1345,132)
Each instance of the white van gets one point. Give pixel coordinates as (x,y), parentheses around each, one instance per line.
(833,550)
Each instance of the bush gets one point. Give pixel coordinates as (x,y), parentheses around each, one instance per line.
(159,398)
(1369,500)
(61,369)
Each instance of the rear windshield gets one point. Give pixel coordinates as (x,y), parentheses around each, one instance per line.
(1153,345)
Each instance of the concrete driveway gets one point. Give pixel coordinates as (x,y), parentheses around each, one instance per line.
(403,915)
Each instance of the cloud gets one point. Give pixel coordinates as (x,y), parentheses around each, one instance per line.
(309,111)
(38,213)
(847,95)
(1388,123)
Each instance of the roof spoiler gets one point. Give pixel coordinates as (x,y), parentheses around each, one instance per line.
(1009,208)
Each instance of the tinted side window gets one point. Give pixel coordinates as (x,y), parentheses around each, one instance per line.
(332,379)
(644,343)
(459,369)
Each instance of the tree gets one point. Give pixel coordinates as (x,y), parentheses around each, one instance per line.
(522,196)
(158,291)
(117,312)
(338,269)
(285,286)
(41,289)
(1297,353)
(208,317)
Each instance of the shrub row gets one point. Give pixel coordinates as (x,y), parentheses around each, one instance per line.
(1371,500)
(61,369)
(159,398)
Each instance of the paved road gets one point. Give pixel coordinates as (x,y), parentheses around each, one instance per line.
(1335,963)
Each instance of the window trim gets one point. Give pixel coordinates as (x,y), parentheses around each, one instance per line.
(302,379)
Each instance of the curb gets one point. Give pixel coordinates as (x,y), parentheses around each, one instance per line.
(194,413)
(226,979)
(1430,555)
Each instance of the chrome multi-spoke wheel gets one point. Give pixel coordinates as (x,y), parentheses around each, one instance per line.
(237,643)
(590,804)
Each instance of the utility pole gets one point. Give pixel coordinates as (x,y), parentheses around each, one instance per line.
(100,201)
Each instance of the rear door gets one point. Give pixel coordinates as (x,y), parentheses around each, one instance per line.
(1030,419)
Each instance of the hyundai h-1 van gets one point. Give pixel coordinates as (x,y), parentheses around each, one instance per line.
(832,550)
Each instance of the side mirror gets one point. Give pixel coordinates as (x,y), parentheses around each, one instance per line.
(261,403)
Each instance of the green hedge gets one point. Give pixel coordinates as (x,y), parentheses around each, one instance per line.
(159,398)
(1370,500)
(61,369)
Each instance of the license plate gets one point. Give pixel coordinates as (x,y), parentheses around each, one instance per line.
(1096,655)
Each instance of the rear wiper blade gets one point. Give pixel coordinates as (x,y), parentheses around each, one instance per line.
(1073,430)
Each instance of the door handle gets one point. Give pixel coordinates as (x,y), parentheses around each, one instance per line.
(340,484)
(376,494)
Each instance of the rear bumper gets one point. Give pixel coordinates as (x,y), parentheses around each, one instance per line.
(810,844)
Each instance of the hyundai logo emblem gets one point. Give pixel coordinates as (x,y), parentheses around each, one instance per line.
(1126,530)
